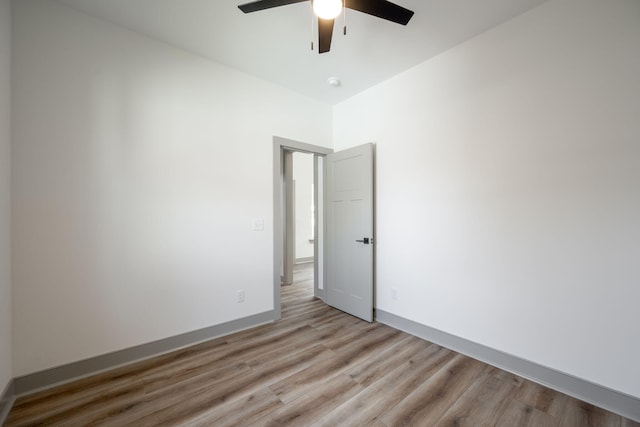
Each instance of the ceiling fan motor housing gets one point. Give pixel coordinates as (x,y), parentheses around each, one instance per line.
(328,10)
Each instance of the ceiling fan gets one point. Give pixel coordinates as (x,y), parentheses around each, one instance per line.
(328,10)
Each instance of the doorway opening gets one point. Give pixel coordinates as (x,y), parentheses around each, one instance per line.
(343,225)
(298,253)
(301,224)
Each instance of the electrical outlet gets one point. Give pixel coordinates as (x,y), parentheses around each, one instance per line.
(257,224)
(240,295)
(394,293)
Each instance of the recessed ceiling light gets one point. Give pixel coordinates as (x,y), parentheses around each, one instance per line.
(334,81)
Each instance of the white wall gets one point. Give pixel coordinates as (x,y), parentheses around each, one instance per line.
(303,176)
(5,196)
(508,198)
(138,171)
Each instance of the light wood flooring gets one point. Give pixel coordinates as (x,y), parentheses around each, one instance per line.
(315,367)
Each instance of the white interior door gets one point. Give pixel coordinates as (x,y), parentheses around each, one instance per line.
(349,231)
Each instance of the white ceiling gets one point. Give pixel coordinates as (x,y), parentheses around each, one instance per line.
(275,44)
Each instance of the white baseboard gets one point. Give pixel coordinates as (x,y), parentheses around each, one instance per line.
(7,398)
(611,400)
(62,374)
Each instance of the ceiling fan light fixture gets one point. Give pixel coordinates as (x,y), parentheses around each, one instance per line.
(327,9)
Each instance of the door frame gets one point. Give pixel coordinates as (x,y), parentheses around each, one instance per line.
(280,146)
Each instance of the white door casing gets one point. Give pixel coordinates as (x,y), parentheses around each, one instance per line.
(280,147)
(349,231)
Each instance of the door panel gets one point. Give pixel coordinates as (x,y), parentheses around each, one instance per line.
(349,218)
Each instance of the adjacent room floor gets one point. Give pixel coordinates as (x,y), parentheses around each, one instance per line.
(317,366)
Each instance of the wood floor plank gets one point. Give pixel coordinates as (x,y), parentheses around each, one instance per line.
(278,353)
(542,398)
(507,377)
(241,412)
(296,385)
(582,414)
(98,383)
(334,317)
(381,364)
(324,397)
(346,336)
(628,423)
(300,361)
(203,370)
(365,408)
(317,366)
(426,404)
(197,396)
(486,400)
(187,394)
(76,410)
(523,415)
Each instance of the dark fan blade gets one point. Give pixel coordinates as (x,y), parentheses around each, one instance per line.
(382,9)
(255,6)
(325,31)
